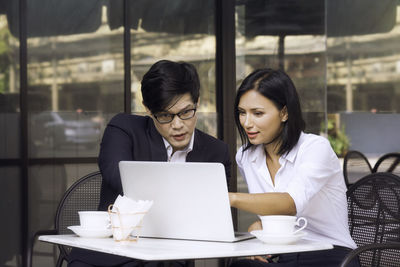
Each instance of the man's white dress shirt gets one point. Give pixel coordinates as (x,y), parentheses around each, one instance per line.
(179,155)
(312,175)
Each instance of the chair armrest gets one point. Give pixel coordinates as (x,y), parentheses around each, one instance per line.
(31,243)
(374,246)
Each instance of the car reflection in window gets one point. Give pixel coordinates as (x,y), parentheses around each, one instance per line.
(58,129)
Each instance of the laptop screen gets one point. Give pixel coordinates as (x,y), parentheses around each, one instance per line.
(190,199)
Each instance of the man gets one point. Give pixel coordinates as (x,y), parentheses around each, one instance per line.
(170,93)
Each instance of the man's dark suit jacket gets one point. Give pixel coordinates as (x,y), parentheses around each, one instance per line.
(132,137)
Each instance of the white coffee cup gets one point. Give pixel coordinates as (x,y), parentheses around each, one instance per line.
(94,219)
(282,224)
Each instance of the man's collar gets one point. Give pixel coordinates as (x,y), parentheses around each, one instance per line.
(158,151)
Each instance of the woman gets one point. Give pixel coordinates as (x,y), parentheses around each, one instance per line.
(288,172)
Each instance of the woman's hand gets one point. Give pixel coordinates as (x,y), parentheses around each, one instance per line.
(231,198)
(255,226)
(272,203)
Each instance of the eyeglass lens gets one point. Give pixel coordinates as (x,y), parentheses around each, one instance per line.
(168,117)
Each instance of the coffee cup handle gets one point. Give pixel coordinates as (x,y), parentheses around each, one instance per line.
(298,224)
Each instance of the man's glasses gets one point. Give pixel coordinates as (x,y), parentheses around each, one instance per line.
(168,117)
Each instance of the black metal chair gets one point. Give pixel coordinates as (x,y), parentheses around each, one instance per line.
(374,219)
(388,163)
(382,254)
(355,166)
(84,194)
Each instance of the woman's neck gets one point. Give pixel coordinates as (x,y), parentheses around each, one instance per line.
(271,151)
(272,160)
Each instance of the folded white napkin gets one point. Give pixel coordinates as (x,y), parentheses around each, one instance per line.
(127,205)
(126,215)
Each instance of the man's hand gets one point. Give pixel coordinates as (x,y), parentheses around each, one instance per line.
(259,258)
(258,226)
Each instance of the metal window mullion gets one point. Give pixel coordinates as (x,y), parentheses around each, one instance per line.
(23,61)
(127,58)
(226,81)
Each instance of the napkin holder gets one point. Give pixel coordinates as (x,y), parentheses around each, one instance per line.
(121,226)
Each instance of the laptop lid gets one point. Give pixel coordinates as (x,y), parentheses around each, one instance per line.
(190,199)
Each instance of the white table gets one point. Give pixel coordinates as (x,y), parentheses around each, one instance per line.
(151,249)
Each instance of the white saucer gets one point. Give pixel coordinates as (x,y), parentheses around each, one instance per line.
(92,233)
(277,239)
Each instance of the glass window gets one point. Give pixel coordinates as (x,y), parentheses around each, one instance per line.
(47,184)
(178,31)
(10,225)
(10,177)
(289,35)
(75,65)
(9,92)
(363,71)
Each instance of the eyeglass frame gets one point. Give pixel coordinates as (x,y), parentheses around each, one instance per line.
(172,115)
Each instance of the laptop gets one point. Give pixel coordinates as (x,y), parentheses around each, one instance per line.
(190,199)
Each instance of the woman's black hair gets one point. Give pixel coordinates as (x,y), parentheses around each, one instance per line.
(165,80)
(277,86)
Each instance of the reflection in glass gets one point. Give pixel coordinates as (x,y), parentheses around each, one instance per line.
(47,184)
(328,44)
(178,31)
(10,223)
(10,177)
(68,132)
(9,92)
(363,73)
(74,69)
(289,35)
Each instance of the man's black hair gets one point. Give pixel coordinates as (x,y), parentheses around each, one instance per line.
(166,80)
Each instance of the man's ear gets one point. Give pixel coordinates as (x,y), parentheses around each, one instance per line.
(284,114)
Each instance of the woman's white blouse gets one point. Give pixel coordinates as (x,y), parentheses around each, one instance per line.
(312,175)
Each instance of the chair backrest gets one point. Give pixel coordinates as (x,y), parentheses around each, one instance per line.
(84,194)
(388,163)
(374,214)
(383,254)
(355,166)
